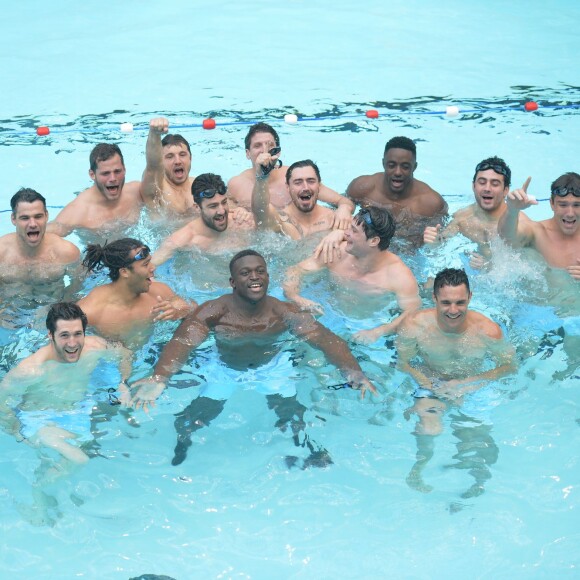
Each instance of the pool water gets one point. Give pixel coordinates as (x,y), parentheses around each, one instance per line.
(233,508)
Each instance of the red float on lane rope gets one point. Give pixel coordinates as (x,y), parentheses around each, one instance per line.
(372,114)
(42,131)
(531,106)
(208,124)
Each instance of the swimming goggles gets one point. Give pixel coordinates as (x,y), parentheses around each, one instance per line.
(365,215)
(143,253)
(565,190)
(209,193)
(484,165)
(113,399)
(339,386)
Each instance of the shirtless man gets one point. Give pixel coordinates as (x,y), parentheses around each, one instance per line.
(213,230)
(445,350)
(262,138)
(34,262)
(126,308)
(413,203)
(478,221)
(303,216)
(246,324)
(108,206)
(166,177)
(557,238)
(51,384)
(363,260)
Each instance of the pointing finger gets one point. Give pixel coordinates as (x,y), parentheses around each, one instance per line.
(526,183)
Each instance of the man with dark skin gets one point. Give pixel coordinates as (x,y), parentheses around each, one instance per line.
(413,203)
(246,324)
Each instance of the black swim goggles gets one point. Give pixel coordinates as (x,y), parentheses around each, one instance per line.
(209,193)
(484,165)
(143,253)
(365,216)
(565,190)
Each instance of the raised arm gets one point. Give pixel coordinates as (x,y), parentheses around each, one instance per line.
(293,282)
(153,174)
(265,214)
(513,230)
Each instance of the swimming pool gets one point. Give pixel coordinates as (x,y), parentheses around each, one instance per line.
(233,509)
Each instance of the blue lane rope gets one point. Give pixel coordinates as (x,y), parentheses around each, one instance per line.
(451,111)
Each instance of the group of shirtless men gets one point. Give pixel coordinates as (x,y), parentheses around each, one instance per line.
(444,348)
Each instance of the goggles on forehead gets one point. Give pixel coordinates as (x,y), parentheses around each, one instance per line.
(484,165)
(365,215)
(209,193)
(565,190)
(143,253)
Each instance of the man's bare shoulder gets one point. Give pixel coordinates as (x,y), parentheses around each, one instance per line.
(66,250)
(160,289)
(416,323)
(465,213)
(211,311)
(431,200)
(483,325)
(363,186)
(7,246)
(132,189)
(240,183)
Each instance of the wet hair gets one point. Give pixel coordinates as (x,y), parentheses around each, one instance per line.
(401,143)
(450,277)
(382,224)
(26,195)
(507,172)
(304,163)
(64,311)
(261,128)
(114,256)
(104,152)
(241,255)
(175,139)
(204,182)
(569,179)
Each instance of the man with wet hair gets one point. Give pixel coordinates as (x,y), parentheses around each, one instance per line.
(478,221)
(557,238)
(362,260)
(48,389)
(413,203)
(450,352)
(126,308)
(166,177)
(262,139)
(303,216)
(213,230)
(33,257)
(109,205)
(247,324)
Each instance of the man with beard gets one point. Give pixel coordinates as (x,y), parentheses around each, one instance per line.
(212,230)
(478,221)
(303,216)
(32,256)
(247,324)
(127,307)
(166,177)
(110,205)
(412,203)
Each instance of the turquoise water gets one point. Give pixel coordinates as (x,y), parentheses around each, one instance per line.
(233,509)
